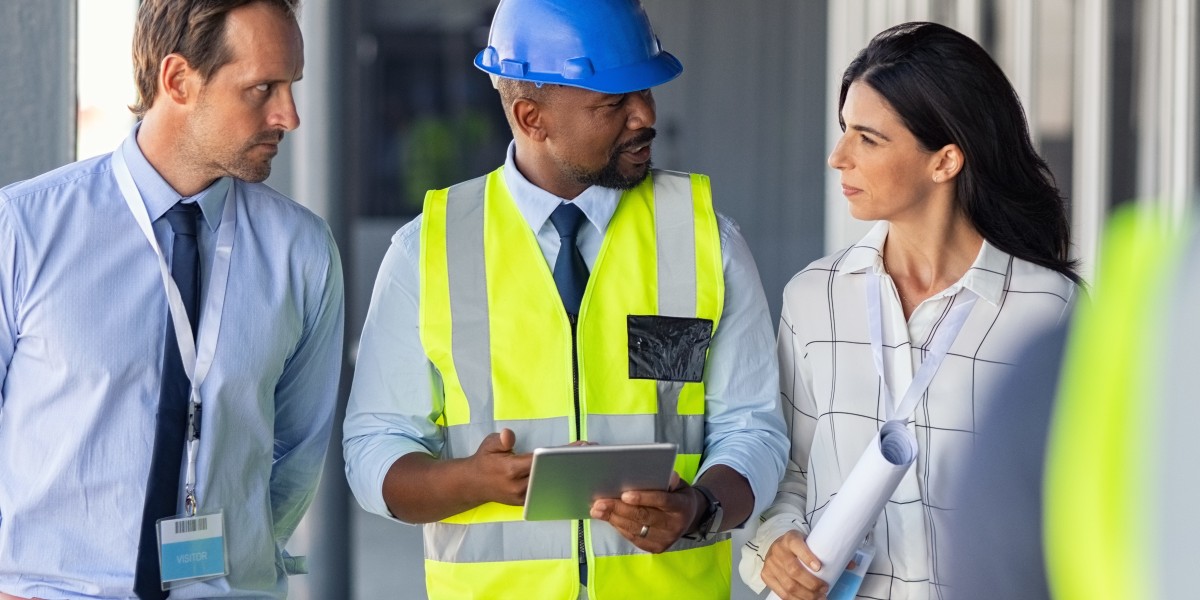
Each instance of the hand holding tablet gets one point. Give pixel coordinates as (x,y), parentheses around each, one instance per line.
(565,480)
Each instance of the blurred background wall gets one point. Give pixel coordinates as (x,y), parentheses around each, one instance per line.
(391,106)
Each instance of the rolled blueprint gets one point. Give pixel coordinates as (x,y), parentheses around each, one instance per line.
(856,506)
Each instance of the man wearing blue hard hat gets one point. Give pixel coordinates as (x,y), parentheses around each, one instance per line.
(573,295)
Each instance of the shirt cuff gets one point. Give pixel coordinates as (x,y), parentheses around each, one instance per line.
(367,483)
(754,552)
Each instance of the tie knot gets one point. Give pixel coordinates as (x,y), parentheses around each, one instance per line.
(567,218)
(184,218)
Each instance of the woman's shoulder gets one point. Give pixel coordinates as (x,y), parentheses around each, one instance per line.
(820,268)
(1030,278)
(815,281)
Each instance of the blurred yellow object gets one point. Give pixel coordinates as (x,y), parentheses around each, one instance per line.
(1101,464)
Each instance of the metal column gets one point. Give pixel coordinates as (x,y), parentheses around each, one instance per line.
(37,100)
(1092,121)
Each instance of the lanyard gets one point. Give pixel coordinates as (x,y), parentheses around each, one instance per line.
(942,339)
(196,353)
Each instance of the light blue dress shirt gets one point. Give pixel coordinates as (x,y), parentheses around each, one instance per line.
(392,406)
(83,314)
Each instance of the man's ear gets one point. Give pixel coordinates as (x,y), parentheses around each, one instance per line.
(177,81)
(529,117)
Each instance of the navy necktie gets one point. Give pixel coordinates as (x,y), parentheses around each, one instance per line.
(570,272)
(162,485)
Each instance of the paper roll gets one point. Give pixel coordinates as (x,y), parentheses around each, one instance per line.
(856,506)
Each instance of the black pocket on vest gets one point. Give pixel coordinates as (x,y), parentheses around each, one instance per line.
(668,348)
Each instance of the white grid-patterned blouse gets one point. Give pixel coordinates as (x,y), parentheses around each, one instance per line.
(833,398)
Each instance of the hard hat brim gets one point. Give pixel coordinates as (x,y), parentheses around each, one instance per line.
(621,80)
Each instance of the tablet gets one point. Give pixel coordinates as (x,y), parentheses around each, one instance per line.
(564,480)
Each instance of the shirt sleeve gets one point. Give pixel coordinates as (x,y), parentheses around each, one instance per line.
(10,256)
(744,429)
(786,513)
(392,408)
(306,397)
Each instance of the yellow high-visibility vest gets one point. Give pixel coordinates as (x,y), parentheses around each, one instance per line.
(493,324)
(1101,478)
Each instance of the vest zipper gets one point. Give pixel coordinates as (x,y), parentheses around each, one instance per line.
(574,319)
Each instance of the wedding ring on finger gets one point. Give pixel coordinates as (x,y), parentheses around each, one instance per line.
(645,530)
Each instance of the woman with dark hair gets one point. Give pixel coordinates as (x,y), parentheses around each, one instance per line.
(968,260)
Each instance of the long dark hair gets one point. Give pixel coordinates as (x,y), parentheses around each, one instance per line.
(946,89)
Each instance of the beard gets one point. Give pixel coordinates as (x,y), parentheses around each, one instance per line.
(610,175)
(246,166)
(212,152)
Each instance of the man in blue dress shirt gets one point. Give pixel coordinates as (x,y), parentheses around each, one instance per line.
(84,320)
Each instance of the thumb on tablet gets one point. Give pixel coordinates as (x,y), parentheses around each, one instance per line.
(508,440)
(499,442)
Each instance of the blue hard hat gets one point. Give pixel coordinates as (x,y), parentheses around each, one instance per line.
(601,45)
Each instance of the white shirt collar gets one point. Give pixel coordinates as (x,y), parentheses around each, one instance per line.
(985,277)
(597,203)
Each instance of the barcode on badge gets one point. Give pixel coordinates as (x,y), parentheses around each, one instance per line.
(191,526)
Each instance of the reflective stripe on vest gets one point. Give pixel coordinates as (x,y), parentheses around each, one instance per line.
(492,323)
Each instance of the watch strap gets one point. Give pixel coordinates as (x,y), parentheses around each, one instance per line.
(705,528)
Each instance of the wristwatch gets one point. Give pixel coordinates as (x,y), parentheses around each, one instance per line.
(710,519)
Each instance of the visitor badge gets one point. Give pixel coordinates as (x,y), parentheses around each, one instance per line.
(192,548)
(847,585)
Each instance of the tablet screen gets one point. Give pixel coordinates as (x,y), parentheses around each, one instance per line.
(565,480)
